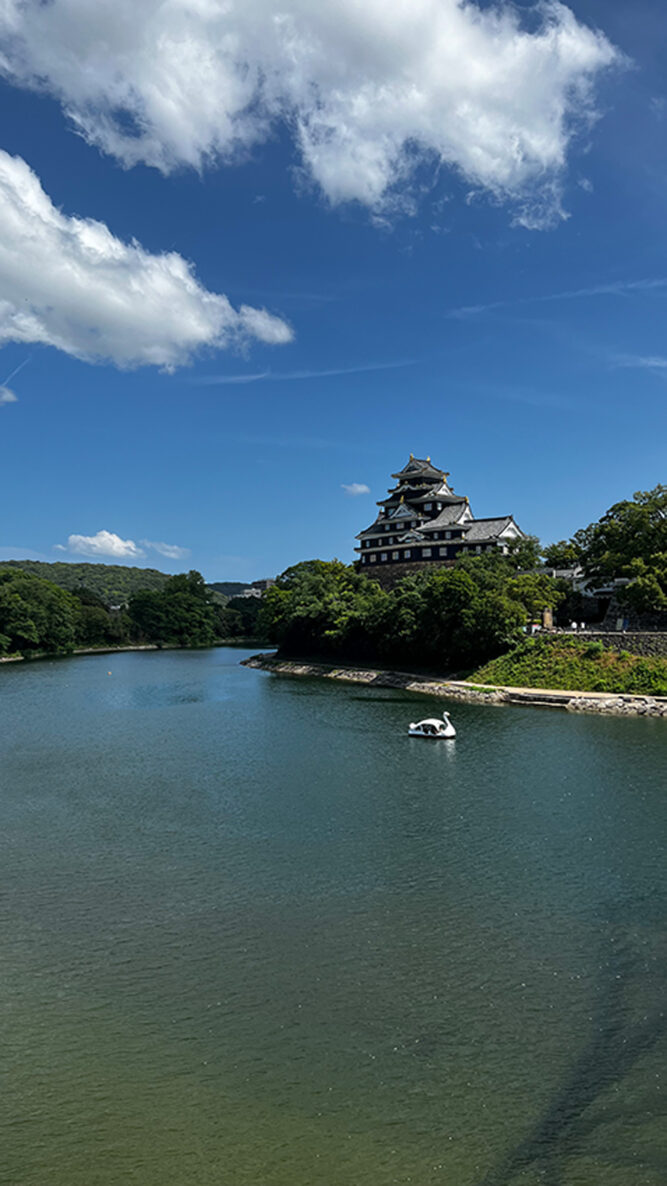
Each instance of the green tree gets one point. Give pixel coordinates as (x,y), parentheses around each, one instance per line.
(630,541)
(182,613)
(441,618)
(525,553)
(563,554)
(35,614)
(146,612)
(535,591)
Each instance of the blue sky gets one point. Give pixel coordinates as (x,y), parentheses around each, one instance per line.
(478,274)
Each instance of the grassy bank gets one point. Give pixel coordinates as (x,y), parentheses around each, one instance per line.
(559,662)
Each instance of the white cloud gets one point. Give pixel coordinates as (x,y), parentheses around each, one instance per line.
(172,551)
(370,90)
(355,488)
(7,396)
(104,543)
(69,282)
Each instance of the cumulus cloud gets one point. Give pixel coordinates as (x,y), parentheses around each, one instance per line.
(370,90)
(69,282)
(355,488)
(172,551)
(7,396)
(104,543)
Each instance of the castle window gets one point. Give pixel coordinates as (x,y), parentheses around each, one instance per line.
(478,549)
(373,558)
(406,554)
(383,555)
(394,555)
(443,551)
(428,506)
(436,535)
(426,552)
(448,535)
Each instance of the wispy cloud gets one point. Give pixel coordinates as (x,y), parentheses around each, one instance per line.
(172,551)
(294,376)
(642,362)
(355,488)
(6,396)
(614,288)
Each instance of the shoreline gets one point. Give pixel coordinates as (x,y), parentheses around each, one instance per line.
(111,650)
(612,703)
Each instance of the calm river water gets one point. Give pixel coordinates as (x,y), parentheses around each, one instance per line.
(254,934)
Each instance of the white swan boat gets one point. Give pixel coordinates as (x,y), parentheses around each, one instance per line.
(433,727)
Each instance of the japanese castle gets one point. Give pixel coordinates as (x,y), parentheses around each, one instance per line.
(424,523)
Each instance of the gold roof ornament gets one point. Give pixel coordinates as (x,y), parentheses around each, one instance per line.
(402,498)
(428,458)
(412,457)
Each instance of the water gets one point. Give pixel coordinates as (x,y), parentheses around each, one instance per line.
(254,934)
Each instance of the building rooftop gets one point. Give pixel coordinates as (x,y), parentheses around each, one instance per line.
(448,515)
(478,530)
(419,467)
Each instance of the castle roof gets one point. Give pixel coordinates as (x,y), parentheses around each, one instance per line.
(479,530)
(419,467)
(454,513)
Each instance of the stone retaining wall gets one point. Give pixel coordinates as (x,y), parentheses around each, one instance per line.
(389,574)
(652,706)
(652,644)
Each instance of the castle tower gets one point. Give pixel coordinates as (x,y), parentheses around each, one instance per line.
(423,523)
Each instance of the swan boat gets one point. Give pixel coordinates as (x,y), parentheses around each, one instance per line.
(433,727)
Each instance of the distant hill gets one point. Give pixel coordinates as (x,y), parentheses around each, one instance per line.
(114,583)
(230,588)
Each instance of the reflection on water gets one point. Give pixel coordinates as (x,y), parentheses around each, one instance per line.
(253,933)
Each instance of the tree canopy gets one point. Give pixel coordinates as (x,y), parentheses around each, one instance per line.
(439,618)
(114,584)
(630,541)
(36,615)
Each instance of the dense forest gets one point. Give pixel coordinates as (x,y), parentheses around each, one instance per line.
(113,584)
(37,615)
(443,618)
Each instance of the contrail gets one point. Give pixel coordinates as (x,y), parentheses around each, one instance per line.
(16,371)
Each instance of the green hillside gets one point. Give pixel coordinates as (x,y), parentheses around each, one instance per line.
(557,661)
(113,583)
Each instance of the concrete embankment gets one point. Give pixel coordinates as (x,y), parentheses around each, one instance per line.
(606,702)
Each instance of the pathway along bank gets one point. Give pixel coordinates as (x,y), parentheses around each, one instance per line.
(617,705)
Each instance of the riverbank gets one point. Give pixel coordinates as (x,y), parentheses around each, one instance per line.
(573,701)
(109,650)
(148,646)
